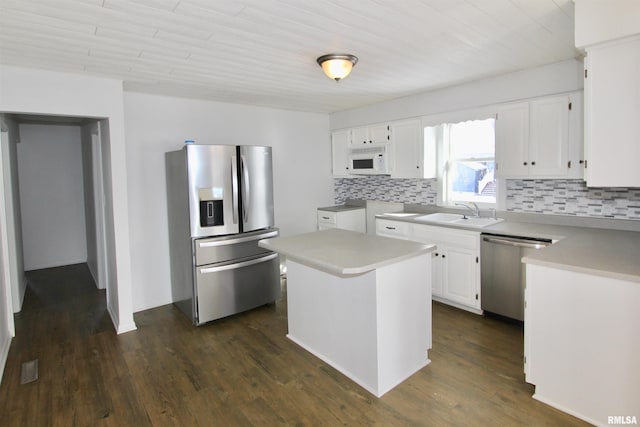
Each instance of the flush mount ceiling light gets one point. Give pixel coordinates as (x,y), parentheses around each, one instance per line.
(337,66)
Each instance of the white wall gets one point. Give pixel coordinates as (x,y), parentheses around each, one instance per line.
(89,201)
(597,21)
(156,124)
(44,92)
(51,195)
(9,154)
(550,79)
(7,329)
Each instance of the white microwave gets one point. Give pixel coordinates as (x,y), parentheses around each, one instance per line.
(371,160)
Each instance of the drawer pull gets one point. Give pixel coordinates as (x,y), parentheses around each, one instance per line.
(238,265)
(226,242)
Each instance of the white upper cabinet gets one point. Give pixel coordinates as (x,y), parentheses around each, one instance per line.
(612,113)
(406,146)
(340,141)
(549,136)
(512,140)
(575,162)
(540,138)
(373,134)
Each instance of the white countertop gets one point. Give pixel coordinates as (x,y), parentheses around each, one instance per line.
(341,208)
(344,252)
(597,251)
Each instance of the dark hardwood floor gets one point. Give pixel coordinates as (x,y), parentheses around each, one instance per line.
(243,371)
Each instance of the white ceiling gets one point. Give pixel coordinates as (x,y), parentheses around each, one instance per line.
(263,52)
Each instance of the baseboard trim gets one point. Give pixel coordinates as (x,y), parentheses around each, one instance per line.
(56,264)
(563,408)
(4,353)
(120,328)
(22,291)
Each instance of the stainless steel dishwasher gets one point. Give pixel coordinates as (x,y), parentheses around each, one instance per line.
(502,272)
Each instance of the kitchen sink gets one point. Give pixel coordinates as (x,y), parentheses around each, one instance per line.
(457,219)
(478,222)
(401,214)
(439,217)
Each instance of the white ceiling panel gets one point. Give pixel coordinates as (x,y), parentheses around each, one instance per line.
(263,52)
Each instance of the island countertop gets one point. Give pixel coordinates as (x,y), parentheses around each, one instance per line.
(344,252)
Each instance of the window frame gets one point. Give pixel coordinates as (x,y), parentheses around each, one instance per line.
(443,161)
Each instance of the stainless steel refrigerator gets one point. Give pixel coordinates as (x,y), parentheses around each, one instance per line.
(220,203)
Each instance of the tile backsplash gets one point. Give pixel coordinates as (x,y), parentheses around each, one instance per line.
(572,197)
(384,189)
(554,196)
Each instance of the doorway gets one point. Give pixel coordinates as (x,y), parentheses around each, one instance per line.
(61,195)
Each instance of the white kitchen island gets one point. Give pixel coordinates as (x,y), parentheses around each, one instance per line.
(361,303)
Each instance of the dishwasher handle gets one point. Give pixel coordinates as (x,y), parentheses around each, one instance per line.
(517,242)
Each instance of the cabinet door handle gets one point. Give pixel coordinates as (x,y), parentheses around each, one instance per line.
(524,163)
(533,163)
(390,228)
(325,217)
(442,255)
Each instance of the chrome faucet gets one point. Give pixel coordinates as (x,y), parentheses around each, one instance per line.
(475,209)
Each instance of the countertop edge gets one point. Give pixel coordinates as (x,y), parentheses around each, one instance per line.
(580,269)
(341,270)
(354,271)
(565,238)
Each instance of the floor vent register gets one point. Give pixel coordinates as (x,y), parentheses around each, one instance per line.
(29,372)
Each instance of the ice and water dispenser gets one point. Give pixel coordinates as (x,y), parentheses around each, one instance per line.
(211,213)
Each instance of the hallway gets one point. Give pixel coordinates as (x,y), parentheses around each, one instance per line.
(65,325)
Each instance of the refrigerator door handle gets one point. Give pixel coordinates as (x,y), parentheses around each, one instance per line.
(238,264)
(246,195)
(234,188)
(243,239)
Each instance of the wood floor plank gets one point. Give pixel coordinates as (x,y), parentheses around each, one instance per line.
(243,371)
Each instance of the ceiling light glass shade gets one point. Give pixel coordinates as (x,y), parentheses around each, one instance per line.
(337,66)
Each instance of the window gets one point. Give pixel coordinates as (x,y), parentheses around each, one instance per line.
(466,161)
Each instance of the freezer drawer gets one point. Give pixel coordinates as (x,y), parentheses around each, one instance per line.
(230,288)
(220,249)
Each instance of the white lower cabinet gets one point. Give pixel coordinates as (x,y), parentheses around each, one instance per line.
(396,229)
(580,329)
(456,261)
(351,219)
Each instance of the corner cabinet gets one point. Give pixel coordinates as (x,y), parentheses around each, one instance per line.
(406,147)
(456,261)
(541,138)
(612,113)
(340,141)
(349,219)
